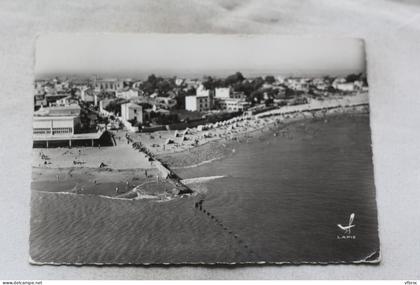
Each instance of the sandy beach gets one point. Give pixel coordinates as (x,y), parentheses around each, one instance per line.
(121,156)
(125,172)
(113,172)
(219,146)
(206,143)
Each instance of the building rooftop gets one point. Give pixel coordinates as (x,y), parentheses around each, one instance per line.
(72,110)
(132,105)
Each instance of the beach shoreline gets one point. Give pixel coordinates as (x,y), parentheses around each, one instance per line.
(151,172)
(220,148)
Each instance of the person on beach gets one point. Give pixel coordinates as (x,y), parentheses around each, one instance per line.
(200,204)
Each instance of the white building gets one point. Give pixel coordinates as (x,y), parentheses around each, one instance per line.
(127,94)
(202,91)
(223,92)
(87,95)
(61,124)
(111,84)
(54,125)
(69,110)
(131,111)
(191,103)
(320,85)
(348,86)
(197,103)
(179,81)
(202,101)
(59,121)
(66,101)
(237,95)
(233,104)
(358,85)
(299,84)
(137,84)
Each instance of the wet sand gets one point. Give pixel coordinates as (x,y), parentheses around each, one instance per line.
(91,181)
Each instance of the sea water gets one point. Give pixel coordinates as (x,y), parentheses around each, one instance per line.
(276,199)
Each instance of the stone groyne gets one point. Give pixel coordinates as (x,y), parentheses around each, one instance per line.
(164,171)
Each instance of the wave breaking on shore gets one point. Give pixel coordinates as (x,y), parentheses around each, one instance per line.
(203,179)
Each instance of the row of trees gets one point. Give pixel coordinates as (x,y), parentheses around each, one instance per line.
(252,88)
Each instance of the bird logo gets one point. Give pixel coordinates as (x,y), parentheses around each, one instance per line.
(347,229)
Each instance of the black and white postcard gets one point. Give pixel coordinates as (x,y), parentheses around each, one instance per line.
(201,149)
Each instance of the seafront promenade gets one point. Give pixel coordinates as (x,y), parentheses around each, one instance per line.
(315,105)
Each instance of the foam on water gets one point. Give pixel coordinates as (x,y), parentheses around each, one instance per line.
(203,179)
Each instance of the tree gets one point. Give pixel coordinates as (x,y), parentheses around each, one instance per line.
(331,89)
(231,79)
(163,86)
(209,83)
(152,79)
(257,83)
(115,106)
(353,77)
(270,79)
(255,96)
(269,101)
(244,86)
(290,92)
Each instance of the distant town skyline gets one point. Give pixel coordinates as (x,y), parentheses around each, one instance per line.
(195,56)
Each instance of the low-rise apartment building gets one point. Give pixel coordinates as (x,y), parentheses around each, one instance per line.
(233,104)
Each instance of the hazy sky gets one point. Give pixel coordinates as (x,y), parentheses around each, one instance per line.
(196,55)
